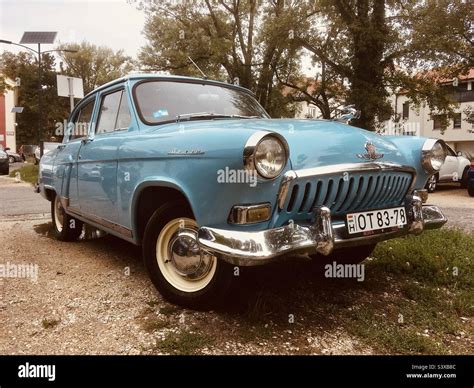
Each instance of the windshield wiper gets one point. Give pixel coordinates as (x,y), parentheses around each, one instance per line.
(206,115)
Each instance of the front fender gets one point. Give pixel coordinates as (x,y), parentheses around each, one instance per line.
(410,147)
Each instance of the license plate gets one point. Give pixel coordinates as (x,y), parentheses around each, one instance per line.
(376,220)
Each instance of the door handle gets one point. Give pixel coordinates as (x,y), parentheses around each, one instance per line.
(61,146)
(86,140)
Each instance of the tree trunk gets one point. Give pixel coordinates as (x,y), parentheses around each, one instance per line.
(367,90)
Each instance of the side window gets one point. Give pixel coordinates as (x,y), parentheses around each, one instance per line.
(114,113)
(123,118)
(82,121)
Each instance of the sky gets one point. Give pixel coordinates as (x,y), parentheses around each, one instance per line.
(113,23)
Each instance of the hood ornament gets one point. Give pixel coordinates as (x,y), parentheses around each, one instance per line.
(371,152)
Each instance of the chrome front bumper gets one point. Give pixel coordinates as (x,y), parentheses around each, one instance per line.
(321,236)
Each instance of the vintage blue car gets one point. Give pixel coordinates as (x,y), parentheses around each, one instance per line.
(197,173)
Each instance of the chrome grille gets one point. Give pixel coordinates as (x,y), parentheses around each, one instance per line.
(358,191)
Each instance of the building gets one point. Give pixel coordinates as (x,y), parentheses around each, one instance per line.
(8,101)
(459,133)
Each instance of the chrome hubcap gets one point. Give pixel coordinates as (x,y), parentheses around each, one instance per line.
(184,253)
(432,182)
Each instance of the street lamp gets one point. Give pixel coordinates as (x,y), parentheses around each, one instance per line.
(38,37)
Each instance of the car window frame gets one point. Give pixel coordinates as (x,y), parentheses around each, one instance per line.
(187,81)
(103,95)
(75,115)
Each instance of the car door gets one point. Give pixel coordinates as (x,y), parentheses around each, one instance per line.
(450,167)
(65,161)
(97,160)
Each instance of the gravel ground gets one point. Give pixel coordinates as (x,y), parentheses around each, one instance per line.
(94,297)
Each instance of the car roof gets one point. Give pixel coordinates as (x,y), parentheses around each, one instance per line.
(145,76)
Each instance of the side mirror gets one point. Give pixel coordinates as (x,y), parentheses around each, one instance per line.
(459,153)
(348,113)
(7,149)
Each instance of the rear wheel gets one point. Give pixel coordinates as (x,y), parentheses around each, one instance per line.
(11,159)
(66,228)
(179,269)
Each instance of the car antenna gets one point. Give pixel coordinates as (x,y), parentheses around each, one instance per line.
(197,67)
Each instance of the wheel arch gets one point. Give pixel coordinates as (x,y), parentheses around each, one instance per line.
(148,197)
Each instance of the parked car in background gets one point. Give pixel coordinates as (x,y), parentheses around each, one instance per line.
(13,156)
(454,169)
(47,147)
(470,180)
(197,173)
(4,163)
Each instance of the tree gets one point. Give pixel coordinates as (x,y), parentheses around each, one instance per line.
(96,65)
(233,40)
(376,47)
(54,109)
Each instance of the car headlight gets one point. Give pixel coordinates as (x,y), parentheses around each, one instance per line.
(267,153)
(433,155)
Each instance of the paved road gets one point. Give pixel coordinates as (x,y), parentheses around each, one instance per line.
(456,204)
(18,200)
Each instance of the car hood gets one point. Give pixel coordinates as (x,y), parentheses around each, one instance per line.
(316,143)
(312,143)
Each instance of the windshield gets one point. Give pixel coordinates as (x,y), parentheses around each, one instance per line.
(165,101)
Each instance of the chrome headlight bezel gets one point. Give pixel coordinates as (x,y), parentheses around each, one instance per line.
(433,155)
(252,146)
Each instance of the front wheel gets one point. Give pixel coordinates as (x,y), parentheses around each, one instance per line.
(179,269)
(66,228)
(11,159)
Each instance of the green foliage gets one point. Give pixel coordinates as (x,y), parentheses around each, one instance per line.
(53,108)
(27,173)
(377,46)
(96,65)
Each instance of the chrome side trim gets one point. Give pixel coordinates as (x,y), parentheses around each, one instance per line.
(107,224)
